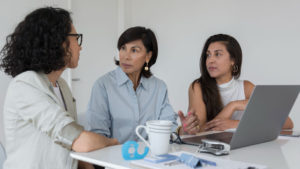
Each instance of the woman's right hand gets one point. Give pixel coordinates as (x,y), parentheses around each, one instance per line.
(190,123)
(230,108)
(220,124)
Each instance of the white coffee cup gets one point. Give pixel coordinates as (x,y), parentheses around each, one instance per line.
(159,124)
(159,135)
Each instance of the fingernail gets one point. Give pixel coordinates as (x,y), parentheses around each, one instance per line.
(189,113)
(184,125)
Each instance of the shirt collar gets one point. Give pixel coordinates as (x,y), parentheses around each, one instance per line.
(122,78)
(143,82)
(228,85)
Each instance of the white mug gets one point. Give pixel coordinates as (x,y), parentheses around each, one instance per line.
(158,138)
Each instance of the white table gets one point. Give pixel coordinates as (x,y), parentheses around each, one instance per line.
(282,153)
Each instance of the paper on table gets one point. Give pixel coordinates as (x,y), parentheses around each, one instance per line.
(221,163)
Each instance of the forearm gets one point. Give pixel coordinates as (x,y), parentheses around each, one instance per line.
(227,111)
(89,141)
(231,107)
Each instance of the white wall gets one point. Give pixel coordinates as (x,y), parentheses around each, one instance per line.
(268,31)
(11,13)
(98,21)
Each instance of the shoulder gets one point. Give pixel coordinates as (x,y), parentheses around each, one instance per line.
(248,88)
(27,76)
(32,78)
(195,89)
(155,82)
(28,84)
(107,78)
(248,84)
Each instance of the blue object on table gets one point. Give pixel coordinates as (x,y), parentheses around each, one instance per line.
(135,155)
(161,158)
(194,162)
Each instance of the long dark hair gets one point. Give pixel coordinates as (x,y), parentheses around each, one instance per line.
(37,42)
(209,88)
(148,38)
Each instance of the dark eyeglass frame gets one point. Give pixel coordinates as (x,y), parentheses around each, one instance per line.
(79,37)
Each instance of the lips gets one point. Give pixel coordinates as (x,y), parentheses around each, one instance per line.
(212,68)
(126,65)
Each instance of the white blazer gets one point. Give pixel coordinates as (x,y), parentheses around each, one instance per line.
(39,131)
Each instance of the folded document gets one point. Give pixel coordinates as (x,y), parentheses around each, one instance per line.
(186,160)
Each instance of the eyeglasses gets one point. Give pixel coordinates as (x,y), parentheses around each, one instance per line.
(78,37)
(175,138)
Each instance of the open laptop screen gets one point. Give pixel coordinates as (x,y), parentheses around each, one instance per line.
(265,114)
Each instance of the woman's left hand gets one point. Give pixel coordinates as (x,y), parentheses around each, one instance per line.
(220,124)
(190,123)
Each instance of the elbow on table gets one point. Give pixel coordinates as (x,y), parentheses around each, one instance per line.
(288,124)
(86,142)
(82,148)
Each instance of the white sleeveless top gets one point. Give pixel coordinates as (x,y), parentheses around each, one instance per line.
(231,91)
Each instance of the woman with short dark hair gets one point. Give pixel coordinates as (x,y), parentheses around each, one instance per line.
(131,95)
(39,110)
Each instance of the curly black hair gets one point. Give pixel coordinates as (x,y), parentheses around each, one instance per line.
(37,42)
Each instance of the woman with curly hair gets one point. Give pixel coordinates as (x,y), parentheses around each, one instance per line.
(39,110)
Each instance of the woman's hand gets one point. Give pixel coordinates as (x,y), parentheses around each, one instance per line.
(230,108)
(190,123)
(220,124)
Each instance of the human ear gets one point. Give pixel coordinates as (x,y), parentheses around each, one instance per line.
(148,56)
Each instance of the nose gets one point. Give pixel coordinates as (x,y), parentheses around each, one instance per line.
(210,59)
(125,54)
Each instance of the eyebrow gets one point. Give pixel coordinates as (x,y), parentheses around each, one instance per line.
(218,50)
(136,47)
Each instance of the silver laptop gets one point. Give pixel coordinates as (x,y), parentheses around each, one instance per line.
(263,119)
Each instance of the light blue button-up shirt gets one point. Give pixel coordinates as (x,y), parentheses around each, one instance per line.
(115,109)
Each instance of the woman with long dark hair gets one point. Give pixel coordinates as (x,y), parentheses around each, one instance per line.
(218,97)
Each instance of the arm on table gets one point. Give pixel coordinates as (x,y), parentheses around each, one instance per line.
(89,141)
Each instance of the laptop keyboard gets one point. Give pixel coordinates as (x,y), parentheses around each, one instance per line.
(222,137)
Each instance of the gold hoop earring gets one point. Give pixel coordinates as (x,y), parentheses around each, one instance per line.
(146,67)
(235,68)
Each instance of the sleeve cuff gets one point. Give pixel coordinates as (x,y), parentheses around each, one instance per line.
(68,134)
